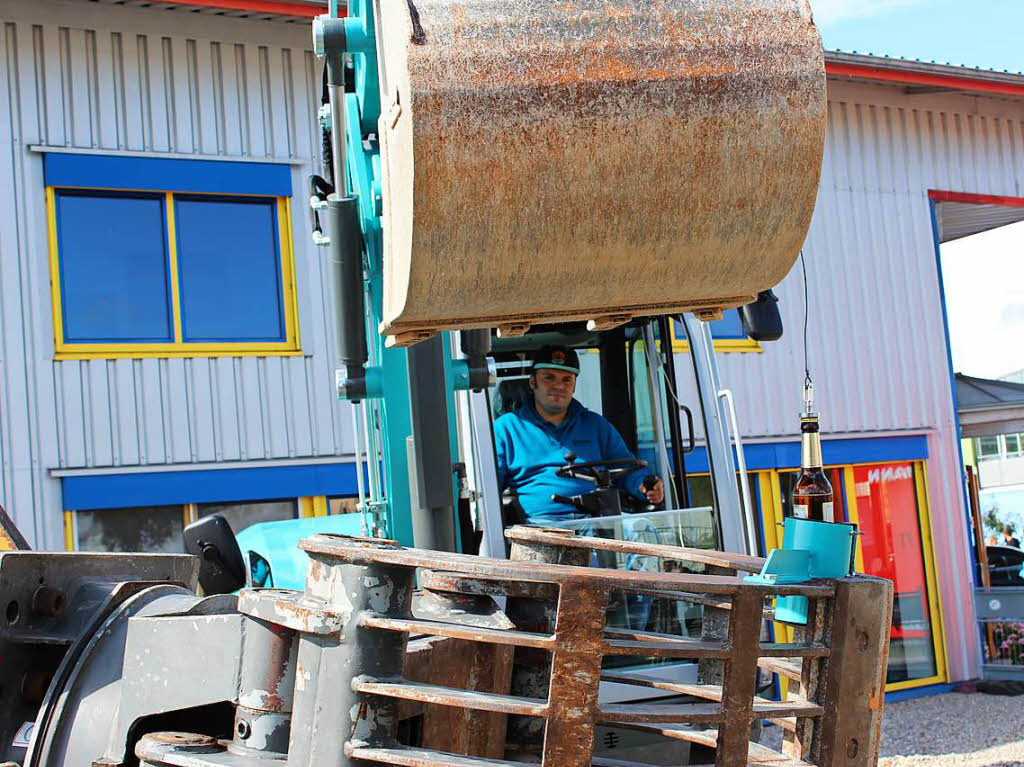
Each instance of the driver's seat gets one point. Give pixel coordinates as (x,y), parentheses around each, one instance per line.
(512,393)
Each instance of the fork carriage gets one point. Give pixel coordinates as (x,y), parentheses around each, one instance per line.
(349,635)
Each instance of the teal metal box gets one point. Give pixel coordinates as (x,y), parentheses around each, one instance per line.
(810,549)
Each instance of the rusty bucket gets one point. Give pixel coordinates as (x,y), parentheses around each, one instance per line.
(556,160)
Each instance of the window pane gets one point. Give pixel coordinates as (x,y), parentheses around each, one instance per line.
(241,515)
(988,446)
(154,529)
(1013,444)
(835,477)
(343,505)
(891,544)
(693,528)
(229,267)
(113,268)
(729,327)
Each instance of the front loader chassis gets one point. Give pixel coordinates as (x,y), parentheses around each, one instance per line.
(328,675)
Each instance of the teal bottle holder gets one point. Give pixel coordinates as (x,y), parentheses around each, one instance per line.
(810,549)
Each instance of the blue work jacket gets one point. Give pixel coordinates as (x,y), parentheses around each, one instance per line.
(531,449)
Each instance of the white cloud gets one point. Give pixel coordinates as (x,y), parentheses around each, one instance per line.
(831,11)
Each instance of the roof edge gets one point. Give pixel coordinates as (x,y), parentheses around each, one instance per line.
(923,74)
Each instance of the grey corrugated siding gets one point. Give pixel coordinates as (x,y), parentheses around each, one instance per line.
(109,77)
(126,78)
(878,346)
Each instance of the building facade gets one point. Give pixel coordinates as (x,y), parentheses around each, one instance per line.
(194,129)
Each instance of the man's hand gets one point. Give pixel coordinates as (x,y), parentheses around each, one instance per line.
(656,493)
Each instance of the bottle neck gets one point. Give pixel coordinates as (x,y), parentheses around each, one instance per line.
(810,451)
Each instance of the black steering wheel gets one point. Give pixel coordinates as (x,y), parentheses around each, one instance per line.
(601,473)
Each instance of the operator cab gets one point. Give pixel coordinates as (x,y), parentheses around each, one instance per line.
(625,376)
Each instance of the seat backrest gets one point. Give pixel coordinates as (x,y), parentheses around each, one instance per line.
(512,392)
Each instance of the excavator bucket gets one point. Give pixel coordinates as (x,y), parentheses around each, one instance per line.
(557,160)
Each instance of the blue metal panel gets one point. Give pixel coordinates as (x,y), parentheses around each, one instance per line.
(786,455)
(108,491)
(159,174)
(113,268)
(229,269)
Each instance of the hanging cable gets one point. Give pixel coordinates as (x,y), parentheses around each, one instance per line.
(807,369)
(808,395)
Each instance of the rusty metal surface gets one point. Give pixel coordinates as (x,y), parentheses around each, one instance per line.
(294,609)
(363,551)
(575,676)
(855,677)
(832,721)
(721,559)
(739,680)
(547,160)
(453,582)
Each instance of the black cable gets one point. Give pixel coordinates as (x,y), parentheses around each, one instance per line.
(807,369)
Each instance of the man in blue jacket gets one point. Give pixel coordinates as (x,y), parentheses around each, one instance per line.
(532,442)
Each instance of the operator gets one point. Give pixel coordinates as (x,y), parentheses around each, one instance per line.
(532,443)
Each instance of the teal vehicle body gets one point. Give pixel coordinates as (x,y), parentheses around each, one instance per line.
(280,563)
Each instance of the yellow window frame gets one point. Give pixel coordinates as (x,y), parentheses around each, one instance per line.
(178,348)
(771,516)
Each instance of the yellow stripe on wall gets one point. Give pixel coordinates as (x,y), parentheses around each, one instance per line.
(69,531)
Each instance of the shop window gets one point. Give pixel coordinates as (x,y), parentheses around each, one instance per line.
(701,494)
(152,529)
(137,270)
(1013,444)
(988,447)
(242,515)
(835,478)
(342,505)
(889,517)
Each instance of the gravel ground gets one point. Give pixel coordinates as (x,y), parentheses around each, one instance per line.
(961,730)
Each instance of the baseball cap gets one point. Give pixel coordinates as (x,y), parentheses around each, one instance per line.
(557,358)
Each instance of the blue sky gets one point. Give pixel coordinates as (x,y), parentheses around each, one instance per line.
(977,33)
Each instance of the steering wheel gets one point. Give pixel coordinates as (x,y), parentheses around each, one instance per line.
(601,473)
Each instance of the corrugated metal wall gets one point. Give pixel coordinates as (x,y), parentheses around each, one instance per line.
(102,76)
(877,337)
(113,78)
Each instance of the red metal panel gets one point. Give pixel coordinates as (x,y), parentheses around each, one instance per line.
(975,199)
(275,7)
(967,83)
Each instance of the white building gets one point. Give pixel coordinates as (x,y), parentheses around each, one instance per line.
(118,423)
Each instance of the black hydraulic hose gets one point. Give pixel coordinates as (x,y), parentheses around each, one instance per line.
(682,487)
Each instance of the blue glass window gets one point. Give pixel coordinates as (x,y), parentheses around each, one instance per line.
(113,268)
(229,269)
(204,269)
(730,327)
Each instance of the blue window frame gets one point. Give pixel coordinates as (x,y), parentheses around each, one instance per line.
(138,270)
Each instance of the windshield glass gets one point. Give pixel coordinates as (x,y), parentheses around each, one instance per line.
(689,528)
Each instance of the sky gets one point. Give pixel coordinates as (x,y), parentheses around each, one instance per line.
(976,33)
(983,278)
(984,274)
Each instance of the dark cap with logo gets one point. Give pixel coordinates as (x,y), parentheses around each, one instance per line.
(557,358)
